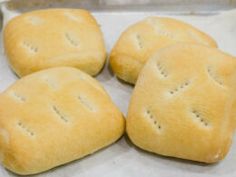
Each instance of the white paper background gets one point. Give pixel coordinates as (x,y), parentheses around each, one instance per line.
(123,159)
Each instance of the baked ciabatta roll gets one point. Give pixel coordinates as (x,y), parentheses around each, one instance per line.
(55,37)
(53,117)
(138,42)
(183,103)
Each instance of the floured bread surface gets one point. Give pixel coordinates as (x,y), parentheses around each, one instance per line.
(139,41)
(182,104)
(53,117)
(57,37)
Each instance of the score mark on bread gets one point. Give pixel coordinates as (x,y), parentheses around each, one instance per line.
(139,41)
(30,47)
(179,88)
(197,116)
(25,129)
(17,97)
(152,118)
(60,114)
(161,70)
(213,76)
(71,39)
(85,103)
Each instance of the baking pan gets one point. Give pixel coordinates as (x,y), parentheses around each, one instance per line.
(129,5)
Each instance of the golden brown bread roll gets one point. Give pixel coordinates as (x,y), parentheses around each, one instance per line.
(53,117)
(55,37)
(183,103)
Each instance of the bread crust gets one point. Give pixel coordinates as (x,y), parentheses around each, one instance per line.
(54,37)
(183,104)
(55,116)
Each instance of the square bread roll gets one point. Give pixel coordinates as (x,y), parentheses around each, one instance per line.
(53,117)
(182,104)
(55,37)
(138,42)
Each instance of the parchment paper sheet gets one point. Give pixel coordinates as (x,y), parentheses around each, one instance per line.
(123,159)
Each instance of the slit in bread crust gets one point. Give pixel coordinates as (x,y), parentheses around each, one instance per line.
(139,41)
(85,102)
(197,116)
(161,70)
(30,47)
(74,42)
(179,88)
(18,97)
(213,75)
(152,118)
(26,129)
(59,114)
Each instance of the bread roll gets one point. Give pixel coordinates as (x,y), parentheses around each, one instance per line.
(137,43)
(183,103)
(55,37)
(53,117)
